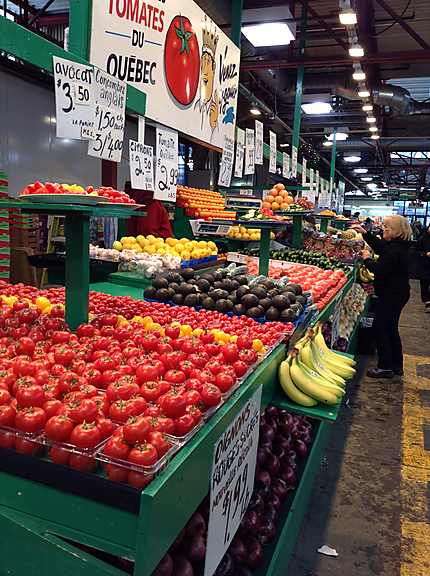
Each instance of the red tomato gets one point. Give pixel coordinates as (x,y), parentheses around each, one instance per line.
(59,428)
(175,376)
(121,410)
(22,366)
(84,410)
(136,430)
(60,337)
(123,389)
(106,427)
(138,480)
(116,473)
(85,330)
(184,424)
(93,376)
(7,440)
(153,410)
(224,381)
(143,455)
(248,356)
(160,442)
(82,463)
(240,368)
(151,390)
(230,353)
(25,346)
(194,384)
(115,447)
(59,456)
(85,435)
(192,397)
(195,412)
(64,355)
(211,395)
(7,415)
(4,396)
(30,419)
(52,407)
(24,446)
(149,371)
(173,404)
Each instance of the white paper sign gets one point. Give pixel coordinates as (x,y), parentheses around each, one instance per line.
(240,153)
(285,165)
(259,136)
(232,480)
(74,99)
(304,165)
(226,166)
(174,53)
(141,129)
(294,162)
(166,166)
(249,152)
(141,166)
(110,97)
(272,158)
(317,183)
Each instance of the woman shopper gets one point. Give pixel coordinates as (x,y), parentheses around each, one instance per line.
(423,252)
(392,290)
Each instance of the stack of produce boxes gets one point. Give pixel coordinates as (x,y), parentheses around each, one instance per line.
(4,231)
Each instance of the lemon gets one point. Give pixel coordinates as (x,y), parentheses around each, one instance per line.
(124,239)
(151,239)
(42,302)
(212,245)
(184,240)
(185,255)
(150,249)
(117,246)
(171,241)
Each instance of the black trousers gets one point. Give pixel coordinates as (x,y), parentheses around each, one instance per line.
(425,290)
(386,329)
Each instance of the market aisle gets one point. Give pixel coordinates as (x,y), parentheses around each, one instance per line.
(372,497)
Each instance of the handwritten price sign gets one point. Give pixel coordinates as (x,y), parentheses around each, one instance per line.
(74,99)
(141,166)
(166,170)
(232,480)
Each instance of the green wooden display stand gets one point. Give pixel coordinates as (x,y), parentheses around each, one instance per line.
(181,224)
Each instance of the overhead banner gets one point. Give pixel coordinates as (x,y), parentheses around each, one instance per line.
(272,159)
(250,152)
(240,153)
(259,138)
(174,53)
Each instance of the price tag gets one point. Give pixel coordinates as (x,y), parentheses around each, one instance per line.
(304,166)
(166,168)
(259,134)
(232,480)
(74,99)
(240,153)
(141,166)
(110,96)
(285,165)
(317,184)
(294,162)
(226,167)
(272,158)
(249,152)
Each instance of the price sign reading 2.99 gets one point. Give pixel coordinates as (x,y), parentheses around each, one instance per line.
(166,167)
(232,480)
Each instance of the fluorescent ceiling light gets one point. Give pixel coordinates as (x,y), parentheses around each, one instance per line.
(268,34)
(371,119)
(317,108)
(359,75)
(361,170)
(356,51)
(366,179)
(284,145)
(367,108)
(373,128)
(364,93)
(255,111)
(348,17)
(375,136)
(352,158)
(372,186)
(339,136)
(327,143)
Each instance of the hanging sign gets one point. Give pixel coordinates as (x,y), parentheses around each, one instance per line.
(174,53)
(285,165)
(141,129)
(304,165)
(141,166)
(249,152)
(227,159)
(74,99)
(240,153)
(272,158)
(110,97)
(294,162)
(259,136)
(317,183)
(232,480)
(310,192)
(166,165)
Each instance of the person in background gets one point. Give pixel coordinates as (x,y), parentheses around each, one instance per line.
(156,221)
(392,290)
(368,224)
(356,215)
(423,252)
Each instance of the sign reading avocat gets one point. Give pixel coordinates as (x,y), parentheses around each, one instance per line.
(171,50)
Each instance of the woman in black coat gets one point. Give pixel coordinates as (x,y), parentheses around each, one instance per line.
(392,290)
(423,252)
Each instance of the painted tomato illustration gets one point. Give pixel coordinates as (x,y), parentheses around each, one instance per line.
(182,60)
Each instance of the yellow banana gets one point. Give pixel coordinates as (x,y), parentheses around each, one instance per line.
(312,360)
(313,375)
(327,352)
(310,386)
(291,389)
(343,370)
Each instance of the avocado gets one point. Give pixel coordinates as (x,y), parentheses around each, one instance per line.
(218,285)
(171,292)
(173,286)
(241,291)
(234,285)
(290,295)
(280,302)
(301,300)
(259,291)
(209,277)
(239,309)
(203,285)
(220,294)
(178,299)
(255,312)
(242,280)
(150,292)
(273,292)
(217,276)
(296,288)
(287,315)
(232,297)
(208,304)
(272,314)
(297,308)
(162,294)
(265,303)
(160,282)
(187,273)
(249,300)
(191,300)
(224,306)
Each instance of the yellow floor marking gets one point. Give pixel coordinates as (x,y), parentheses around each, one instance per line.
(415,474)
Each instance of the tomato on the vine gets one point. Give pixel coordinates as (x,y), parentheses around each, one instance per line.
(85,435)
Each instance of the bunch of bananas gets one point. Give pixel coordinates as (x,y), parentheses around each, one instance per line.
(314,373)
(364,275)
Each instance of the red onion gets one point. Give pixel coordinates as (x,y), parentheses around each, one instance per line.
(267,531)
(196,524)
(271,411)
(256,503)
(306,437)
(165,567)
(182,567)
(270,513)
(225,567)
(272,464)
(301,448)
(292,455)
(283,440)
(263,491)
(267,433)
(262,453)
(249,524)
(288,475)
(280,488)
(238,551)
(278,451)
(254,554)
(242,571)
(196,548)
(273,500)
(262,478)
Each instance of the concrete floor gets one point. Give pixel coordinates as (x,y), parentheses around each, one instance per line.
(370,502)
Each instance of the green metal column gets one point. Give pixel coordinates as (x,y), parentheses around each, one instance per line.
(77,232)
(323,225)
(236,21)
(263,260)
(297,241)
(80,27)
(300,76)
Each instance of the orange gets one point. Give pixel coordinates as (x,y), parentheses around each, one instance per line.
(267,205)
(289,200)
(279,187)
(284,206)
(269,198)
(279,199)
(275,206)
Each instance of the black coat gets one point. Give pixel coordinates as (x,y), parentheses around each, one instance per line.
(423,265)
(392,268)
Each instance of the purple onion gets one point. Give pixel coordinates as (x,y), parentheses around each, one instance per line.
(262,478)
(237,550)
(267,532)
(254,554)
(283,440)
(262,453)
(271,411)
(270,513)
(289,476)
(250,523)
(273,500)
(301,448)
(272,464)
(280,488)
(256,503)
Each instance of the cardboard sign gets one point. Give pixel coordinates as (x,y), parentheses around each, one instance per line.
(249,152)
(240,153)
(226,166)
(285,165)
(166,166)
(141,166)
(272,159)
(259,138)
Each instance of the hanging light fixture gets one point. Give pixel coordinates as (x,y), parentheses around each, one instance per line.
(364,93)
(356,51)
(367,108)
(348,17)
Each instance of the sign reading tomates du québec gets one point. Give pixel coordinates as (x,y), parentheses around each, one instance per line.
(170,49)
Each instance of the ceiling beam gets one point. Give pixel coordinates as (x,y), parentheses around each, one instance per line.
(328,27)
(404,57)
(404,25)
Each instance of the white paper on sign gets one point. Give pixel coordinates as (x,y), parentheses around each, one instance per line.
(317,183)
(259,137)
(310,193)
(232,480)
(285,165)
(110,96)
(272,158)
(304,166)
(226,166)
(141,130)
(294,162)
(141,166)
(249,152)
(240,153)
(74,99)
(166,166)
